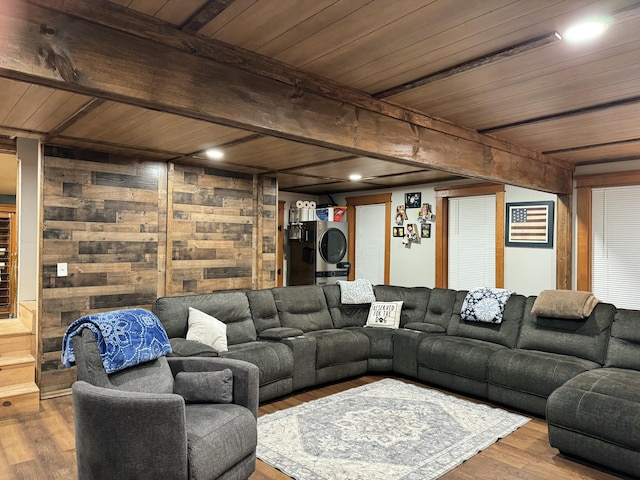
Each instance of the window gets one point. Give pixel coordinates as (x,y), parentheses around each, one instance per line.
(615,250)
(467,222)
(472,242)
(599,234)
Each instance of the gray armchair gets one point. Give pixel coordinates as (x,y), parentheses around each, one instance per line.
(130,424)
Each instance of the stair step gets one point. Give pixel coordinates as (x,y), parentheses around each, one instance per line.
(15,338)
(19,369)
(19,399)
(13,326)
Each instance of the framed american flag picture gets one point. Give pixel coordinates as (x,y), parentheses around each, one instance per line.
(529,224)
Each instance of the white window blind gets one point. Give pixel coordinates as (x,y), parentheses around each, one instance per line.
(615,245)
(472,242)
(369,246)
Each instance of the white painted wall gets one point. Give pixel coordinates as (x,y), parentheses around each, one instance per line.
(528,271)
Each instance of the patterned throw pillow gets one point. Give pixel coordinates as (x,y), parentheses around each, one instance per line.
(384,314)
(485,304)
(356,292)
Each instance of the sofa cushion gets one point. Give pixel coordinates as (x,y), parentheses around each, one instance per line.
(534,372)
(303,307)
(584,338)
(344,315)
(181,347)
(274,360)
(213,443)
(263,309)
(338,346)
(504,333)
(440,306)
(230,307)
(624,344)
(603,403)
(425,327)
(460,356)
(414,300)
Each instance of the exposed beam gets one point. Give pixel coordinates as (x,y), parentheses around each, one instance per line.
(482,61)
(86,56)
(566,114)
(594,145)
(208,12)
(79,114)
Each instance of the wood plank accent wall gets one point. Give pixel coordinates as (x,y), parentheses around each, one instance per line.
(218,221)
(133,231)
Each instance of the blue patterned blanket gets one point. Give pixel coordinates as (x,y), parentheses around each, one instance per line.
(125,338)
(485,304)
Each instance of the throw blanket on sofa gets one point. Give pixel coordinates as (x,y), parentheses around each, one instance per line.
(485,304)
(125,338)
(571,304)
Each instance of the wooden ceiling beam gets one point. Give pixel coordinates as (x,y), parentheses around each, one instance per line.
(204,15)
(87,56)
(79,114)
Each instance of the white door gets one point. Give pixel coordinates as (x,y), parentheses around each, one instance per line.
(369,246)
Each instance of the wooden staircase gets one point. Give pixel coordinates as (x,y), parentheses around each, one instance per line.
(19,393)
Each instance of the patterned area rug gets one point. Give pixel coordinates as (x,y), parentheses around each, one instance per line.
(384,430)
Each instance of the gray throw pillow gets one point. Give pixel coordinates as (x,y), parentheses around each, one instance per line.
(205,387)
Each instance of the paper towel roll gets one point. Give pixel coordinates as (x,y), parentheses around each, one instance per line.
(312,205)
(305,204)
(299,204)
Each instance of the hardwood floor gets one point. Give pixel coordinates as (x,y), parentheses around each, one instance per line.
(42,446)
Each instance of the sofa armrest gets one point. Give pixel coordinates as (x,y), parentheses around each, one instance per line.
(280,333)
(245,376)
(112,428)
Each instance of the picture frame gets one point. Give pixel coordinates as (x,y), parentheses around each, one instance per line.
(398,231)
(425,230)
(529,224)
(412,200)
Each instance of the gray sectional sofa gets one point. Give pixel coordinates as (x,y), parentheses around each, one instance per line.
(584,374)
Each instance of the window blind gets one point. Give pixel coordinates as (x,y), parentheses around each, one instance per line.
(615,245)
(472,242)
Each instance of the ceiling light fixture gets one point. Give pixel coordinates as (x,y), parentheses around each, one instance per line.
(215,154)
(354,177)
(587,30)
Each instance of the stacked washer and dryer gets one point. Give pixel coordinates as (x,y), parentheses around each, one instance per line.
(318,252)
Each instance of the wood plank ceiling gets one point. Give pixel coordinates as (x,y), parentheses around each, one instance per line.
(489,65)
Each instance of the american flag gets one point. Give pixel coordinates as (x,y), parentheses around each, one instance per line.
(529,224)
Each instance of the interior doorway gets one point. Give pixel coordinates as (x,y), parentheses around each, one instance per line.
(8,236)
(359,227)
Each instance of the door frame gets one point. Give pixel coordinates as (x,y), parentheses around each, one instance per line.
(352,203)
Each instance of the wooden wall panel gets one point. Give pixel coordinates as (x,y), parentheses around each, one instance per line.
(103,220)
(222,228)
(134,231)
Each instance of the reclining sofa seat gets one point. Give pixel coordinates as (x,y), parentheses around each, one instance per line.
(275,360)
(549,352)
(338,352)
(459,360)
(596,414)
(439,308)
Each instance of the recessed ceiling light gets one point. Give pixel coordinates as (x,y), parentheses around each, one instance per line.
(215,154)
(354,177)
(587,30)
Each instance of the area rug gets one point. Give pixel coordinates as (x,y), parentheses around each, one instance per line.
(384,430)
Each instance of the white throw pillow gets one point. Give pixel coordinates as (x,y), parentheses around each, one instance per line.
(206,329)
(356,292)
(384,314)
